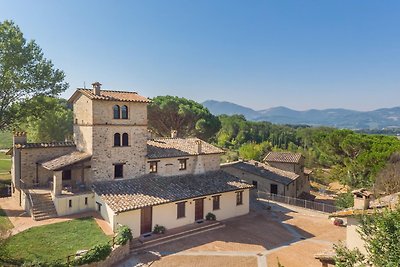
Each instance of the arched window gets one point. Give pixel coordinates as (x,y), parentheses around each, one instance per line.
(124,112)
(116,112)
(125,140)
(117,139)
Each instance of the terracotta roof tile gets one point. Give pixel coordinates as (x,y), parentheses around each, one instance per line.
(150,190)
(110,95)
(65,160)
(43,145)
(178,147)
(263,170)
(286,157)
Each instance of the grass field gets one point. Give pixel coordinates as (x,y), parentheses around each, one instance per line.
(5,223)
(5,140)
(54,241)
(5,167)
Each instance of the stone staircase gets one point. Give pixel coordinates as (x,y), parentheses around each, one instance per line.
(42,205)
(141,244)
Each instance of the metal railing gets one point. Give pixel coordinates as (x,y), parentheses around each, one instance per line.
(313,205)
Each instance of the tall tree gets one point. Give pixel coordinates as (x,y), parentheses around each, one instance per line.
(24,73)
(188,117)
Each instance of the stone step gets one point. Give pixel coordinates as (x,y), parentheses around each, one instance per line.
(137,246)
(42,206)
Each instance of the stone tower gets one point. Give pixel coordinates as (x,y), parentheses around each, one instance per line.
(112,127)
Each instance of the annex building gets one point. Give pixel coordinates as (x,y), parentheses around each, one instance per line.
(113,166)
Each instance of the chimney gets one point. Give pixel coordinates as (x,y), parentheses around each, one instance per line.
(150,135)
(199,146)
(256,164)
(19,138)
(362,198)
(174,133)
(96,88)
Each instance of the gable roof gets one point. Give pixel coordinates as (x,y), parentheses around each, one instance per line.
(110,95)
(263,170)
(44,145)
(65,160)
(285,157)
(179,147)
(150,190)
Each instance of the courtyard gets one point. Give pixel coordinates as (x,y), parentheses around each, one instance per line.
(284,234)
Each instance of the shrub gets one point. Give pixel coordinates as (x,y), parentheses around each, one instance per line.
(159,229)
(124,235)
(211,217)
(95,254)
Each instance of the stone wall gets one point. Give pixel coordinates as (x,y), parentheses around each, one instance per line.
(194,165)
(118,254)
(103,113)
(29,158)
(105,155)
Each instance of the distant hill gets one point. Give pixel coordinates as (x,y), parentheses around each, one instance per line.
(340,118)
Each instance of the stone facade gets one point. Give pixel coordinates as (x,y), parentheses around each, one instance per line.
(194,165)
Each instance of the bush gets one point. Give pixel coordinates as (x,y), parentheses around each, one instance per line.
(95,254)
(211,217)
(344,201)
(37,263)
(159,229)
(124,235)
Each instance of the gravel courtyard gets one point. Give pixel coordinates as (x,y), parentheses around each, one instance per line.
(286,234)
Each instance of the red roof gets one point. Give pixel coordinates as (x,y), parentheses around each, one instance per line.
(110,95)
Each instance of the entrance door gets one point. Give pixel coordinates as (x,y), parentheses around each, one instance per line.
(274,189)
(145,220)
(198,209)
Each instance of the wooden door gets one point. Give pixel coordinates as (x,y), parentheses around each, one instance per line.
(146,220)
(274,189)
(198,209)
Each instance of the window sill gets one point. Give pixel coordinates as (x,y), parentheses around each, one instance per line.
(240,204)
(181,218)
(121,146)
(216,209)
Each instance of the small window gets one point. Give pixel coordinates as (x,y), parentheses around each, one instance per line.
(153,166)
(124,112)
(66,175)
(255,184)
(70,203)
(98,206)
(239,198)
(182,164)
(180,209)
(116,112)
(117,139)
(215,202)
(125,139)
(86,200)
(118,171)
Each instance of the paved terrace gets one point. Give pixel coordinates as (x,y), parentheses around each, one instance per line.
(292,235)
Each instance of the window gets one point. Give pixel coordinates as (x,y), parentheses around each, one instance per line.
(116,112)
(98,206)
(153,166)
(66,175)
(255,184)
(86,200)
(118,170)
(70,203)
(180,209)
(117,139)
(182,164)
(124,112)
(239,198)
(215,202)
(125,139)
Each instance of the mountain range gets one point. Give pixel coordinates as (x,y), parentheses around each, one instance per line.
(335,117)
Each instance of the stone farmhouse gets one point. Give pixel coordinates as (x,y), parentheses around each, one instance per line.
(113,166)
(282,173)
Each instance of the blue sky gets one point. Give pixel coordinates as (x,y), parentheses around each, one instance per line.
(261,54)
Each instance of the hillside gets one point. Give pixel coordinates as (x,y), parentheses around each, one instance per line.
(340,118)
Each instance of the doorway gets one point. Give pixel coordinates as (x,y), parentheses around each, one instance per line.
(199,209)
(146,220)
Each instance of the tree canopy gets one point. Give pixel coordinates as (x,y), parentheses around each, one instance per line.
(188,117)
(24,73)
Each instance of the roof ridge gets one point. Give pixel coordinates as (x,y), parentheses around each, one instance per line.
(108,90)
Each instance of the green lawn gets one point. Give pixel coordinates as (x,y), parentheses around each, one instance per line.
(5,167)
(55,241)
(5,140)
(5,223)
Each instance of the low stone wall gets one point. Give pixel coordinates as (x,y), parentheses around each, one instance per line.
(118,254)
